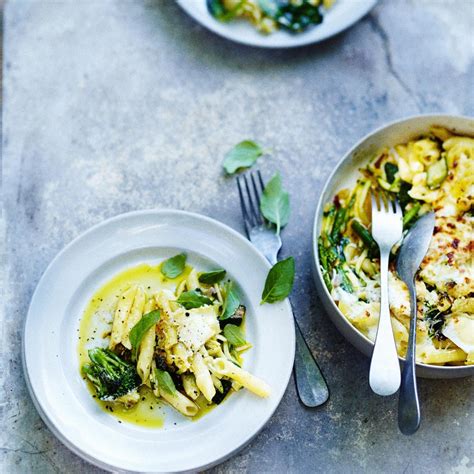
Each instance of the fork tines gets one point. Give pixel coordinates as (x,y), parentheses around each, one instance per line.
(250,186)
(381,203)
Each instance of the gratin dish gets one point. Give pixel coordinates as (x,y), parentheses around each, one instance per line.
(345,175)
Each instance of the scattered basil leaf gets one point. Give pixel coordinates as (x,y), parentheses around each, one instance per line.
(231,301)
(209,278)
(164,381)
(174,266)
(279,281)
(243,155)
(234,335)
(141,328)
(275,203)
(193,299)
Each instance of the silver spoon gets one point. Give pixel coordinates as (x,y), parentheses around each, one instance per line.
(413,250)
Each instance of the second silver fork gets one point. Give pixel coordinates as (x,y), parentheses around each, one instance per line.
(387,229)
(311,386)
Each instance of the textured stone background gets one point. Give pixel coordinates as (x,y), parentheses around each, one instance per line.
(111,106)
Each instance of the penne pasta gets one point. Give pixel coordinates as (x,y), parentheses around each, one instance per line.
(121,314)
(203,377)
(147,346)
(190,387)
(246,379)
(135,314)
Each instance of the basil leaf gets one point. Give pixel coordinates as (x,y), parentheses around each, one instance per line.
(279,281)
(174,266)
(231,301)
(141,328)
(164,381)
(209,278)
(275,203)
(234,335)
(193,299)
(243,155)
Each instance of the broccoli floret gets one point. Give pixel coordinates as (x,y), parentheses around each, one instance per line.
(111,376)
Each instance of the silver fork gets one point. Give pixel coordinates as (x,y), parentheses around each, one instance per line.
(311,386)
(387,229)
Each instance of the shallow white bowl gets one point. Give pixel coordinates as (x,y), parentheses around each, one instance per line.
(345,175)
(342,15)
(50,344)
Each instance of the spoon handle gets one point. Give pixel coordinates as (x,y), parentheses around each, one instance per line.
(310,384)
(408,405)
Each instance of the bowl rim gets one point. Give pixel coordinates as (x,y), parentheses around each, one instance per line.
(461,370)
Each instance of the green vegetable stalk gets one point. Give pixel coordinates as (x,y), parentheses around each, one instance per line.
(366,236)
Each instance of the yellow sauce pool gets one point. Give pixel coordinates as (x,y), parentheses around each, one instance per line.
(94,331)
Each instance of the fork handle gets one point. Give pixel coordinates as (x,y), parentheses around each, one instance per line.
(310,384)
(384,376)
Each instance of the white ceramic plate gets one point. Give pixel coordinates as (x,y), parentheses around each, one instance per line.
(343,14)
(50,344)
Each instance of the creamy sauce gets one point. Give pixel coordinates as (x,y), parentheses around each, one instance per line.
(94,330)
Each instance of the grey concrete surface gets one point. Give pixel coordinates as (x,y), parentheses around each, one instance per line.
(111,106)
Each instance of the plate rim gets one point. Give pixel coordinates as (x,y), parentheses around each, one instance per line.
(143,212)
(303,39)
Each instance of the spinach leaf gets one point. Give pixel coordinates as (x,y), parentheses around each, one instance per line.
(275,203)
(231,301)
(279,281)
(193,299)
(141,328)
(243,155)
(435,320)
(403,197)
(390,171)
(234,335)
(294,16)
(164,381)
(174,266)
(209,278)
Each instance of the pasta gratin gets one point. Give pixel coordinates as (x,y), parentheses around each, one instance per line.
(435,172)
(166,333)
(270,15)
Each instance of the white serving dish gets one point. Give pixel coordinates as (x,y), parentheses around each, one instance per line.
(345,175)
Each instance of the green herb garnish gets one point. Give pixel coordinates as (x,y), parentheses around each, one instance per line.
(279,281)
(243,155)
(141,328)
(209,278)
(164,381)
(231,301)
(234,335)
(275,203)
(193,299)
(174,266)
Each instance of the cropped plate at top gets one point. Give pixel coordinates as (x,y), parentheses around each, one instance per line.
(50,340)
(340,16)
